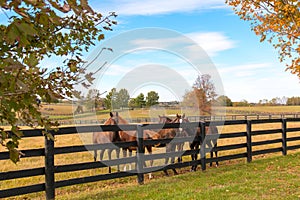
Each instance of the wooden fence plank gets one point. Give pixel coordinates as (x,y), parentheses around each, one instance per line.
(22,190)
(22,173)
(284,136)
(140,154)
(249,141)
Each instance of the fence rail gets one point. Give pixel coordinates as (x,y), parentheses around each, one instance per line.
(50,151)
(79,120)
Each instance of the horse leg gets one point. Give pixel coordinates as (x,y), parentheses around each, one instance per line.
(180,148)
(129,155)
(168,149)
(118,156)
(149,149)
(95,155)
(195,146)
(212,149)
(101,154)
(109,158)
(192,155)
(124,156)
(173,158)
(216,154)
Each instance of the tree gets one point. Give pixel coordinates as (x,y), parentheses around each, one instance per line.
(33,31)
(152,98)
(108,101)
(224,101)
(241,103)
(140,100)
(202,95)
(275,21)
(93,100)
(292,101)
(132,104)
(123,98)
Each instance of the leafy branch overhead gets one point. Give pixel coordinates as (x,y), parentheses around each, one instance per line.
(277,22)
(36,30)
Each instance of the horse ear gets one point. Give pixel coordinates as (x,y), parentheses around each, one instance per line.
(117,114)
(177,115)
(111,114)
(183,116)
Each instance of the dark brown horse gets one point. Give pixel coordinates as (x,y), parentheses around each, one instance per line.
(195,144)
(107,137)
(129,136)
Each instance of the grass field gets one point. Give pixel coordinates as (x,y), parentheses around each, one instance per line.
(271,178)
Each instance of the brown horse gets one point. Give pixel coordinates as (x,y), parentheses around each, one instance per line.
(180,133)
(107,137)
(167,134)
(129,136)
(195,144)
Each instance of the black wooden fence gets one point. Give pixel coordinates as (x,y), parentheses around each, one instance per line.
(49,152)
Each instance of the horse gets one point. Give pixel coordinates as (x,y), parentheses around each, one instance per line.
(195,144)
(167,134)
(107,137)
(181,133)
(129,136)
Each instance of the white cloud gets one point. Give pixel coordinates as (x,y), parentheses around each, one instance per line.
(211,42)
(154,7)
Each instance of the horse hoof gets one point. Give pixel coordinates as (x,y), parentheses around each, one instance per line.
(150,176)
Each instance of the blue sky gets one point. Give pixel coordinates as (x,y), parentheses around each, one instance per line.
(247,69)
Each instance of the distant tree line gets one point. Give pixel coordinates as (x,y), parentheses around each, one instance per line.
(293,101)
(121,99)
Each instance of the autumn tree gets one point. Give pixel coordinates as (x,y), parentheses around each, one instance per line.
(202,94)
(278,22)
(33,31)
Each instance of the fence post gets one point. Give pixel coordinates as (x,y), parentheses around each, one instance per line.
(249,141)
(49,168)
(284,143)
(203,146)
(140,154)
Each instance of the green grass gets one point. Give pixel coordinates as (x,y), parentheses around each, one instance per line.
(271,178)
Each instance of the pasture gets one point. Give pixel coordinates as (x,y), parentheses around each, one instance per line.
(270,178)
(127,186)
